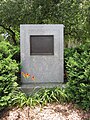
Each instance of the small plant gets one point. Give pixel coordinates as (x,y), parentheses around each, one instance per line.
(48,95)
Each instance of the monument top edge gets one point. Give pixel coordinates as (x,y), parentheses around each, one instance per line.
(42,25)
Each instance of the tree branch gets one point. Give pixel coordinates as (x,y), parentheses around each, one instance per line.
(11,31)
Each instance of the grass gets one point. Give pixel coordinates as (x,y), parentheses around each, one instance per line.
(42,97)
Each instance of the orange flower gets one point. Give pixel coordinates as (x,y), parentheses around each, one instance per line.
(33,78)
(25,75)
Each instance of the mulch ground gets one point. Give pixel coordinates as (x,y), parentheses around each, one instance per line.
(48,112)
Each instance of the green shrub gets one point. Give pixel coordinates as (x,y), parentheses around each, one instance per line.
(8,69)
(77,64)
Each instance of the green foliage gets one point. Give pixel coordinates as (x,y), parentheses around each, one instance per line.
(9,93)
(19,98)
(77,63)
(8,69)
(7,50)
(74,14)
(49,95)
(41,97)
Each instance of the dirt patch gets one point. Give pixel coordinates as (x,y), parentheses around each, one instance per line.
(48,112)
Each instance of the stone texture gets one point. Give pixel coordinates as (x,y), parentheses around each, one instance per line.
(45,68)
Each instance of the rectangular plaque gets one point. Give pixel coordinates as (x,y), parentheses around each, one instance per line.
(41,44)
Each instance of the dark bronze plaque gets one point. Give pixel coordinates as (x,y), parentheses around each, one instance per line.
(41,45)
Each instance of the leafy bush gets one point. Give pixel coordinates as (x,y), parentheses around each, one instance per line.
(77,64)
(8,68)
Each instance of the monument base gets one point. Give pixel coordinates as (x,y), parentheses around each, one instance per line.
(32,88)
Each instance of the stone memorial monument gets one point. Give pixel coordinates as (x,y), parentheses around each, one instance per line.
(42,59)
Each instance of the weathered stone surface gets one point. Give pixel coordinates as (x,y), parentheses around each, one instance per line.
(45,68)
